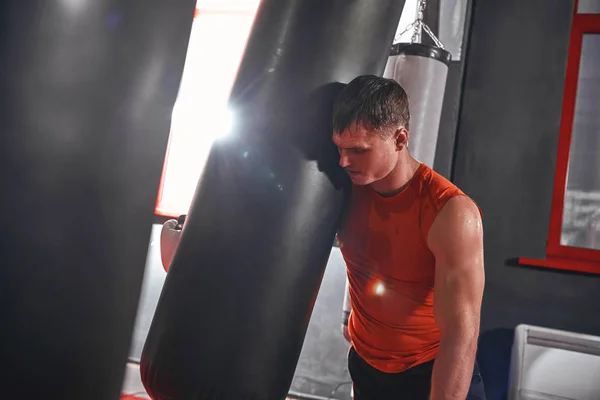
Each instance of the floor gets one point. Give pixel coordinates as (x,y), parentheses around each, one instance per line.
(133,389)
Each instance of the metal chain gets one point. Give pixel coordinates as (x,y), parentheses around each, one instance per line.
(418,25)
(408,28)
(437,41)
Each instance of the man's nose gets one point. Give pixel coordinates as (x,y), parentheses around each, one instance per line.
(344,161)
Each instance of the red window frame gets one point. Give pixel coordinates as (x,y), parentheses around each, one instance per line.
(557,255)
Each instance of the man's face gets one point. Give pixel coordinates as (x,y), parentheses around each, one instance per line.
(366,155)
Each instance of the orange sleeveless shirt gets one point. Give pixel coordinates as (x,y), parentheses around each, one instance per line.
(391,271)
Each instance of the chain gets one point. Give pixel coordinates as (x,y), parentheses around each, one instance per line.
(437,41)
(408,28)
(418,25)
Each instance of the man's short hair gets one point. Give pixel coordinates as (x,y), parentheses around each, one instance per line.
(379,103)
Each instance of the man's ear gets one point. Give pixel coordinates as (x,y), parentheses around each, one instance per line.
(401,138)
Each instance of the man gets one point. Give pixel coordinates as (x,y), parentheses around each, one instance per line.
(413,245)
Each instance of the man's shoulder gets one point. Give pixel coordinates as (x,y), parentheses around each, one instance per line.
(434,181)
(457,224)
(438,189)
(440,194)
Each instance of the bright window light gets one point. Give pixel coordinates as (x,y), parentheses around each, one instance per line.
(200,115)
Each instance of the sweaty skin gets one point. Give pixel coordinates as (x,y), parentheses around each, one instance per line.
(456,240)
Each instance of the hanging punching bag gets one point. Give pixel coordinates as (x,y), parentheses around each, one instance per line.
(236,303)
(87,91)
(422,71)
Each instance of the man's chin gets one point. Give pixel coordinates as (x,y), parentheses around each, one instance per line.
(360,180)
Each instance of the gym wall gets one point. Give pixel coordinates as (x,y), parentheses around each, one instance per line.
(505,157)
(453,24)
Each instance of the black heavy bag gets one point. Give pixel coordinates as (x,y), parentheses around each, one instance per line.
(237,300)
(87,89)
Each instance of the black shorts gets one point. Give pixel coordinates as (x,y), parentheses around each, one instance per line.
(413,384)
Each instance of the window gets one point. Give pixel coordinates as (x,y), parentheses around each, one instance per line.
(217,42)
(588,7)
(574,234)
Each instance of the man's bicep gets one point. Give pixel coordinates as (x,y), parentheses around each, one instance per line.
(456,240)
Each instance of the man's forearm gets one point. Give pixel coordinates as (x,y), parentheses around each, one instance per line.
(453,368)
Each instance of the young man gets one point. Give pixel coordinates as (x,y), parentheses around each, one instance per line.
(413,245)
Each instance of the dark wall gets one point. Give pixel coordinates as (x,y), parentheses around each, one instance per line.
(444,153)
(444,150)
(505,158)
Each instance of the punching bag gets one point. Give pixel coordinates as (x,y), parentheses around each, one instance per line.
(236,303)
(88,88)
(422,71)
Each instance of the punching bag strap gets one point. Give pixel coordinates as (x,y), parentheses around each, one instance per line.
(418,26)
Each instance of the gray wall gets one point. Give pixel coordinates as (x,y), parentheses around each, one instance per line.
(505,159)
(321,369)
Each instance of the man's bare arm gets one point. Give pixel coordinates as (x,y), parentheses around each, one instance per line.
(456,240)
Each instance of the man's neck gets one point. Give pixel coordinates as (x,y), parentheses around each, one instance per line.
(397,180)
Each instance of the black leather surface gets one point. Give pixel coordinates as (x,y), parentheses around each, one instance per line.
(86,89)
(423,50)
